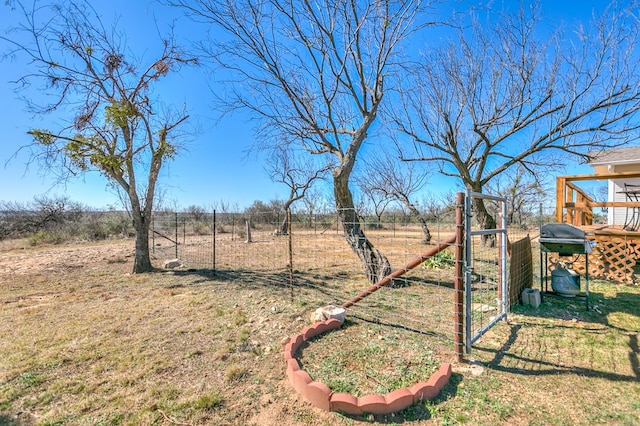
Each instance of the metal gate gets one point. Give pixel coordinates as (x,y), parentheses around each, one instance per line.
(486,293)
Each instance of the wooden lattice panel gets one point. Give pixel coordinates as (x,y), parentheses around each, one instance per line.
(617,257)
(634,248)
(612,258)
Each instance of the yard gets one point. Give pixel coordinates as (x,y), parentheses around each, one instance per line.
(84,342)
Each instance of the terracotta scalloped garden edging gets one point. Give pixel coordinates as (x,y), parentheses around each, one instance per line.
(322,397)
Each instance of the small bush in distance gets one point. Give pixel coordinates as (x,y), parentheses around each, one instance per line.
(43,237)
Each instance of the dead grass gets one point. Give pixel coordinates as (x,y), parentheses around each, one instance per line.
(363,358)
(100,346)
(84,342)
(557,364)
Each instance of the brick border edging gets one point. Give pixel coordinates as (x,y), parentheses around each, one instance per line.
(324,398)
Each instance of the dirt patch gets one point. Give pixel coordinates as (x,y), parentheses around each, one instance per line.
(18,258)
(84,341)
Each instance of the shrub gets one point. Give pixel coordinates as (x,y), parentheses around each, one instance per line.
(202,228)
(235,373)
(43,237)
(440,260)
(118,223)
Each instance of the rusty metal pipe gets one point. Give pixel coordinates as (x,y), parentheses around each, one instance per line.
(401,271)
(458,314)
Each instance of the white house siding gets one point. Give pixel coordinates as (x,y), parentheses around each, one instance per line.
(617,215)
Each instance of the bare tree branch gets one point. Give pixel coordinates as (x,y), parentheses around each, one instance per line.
(387,179)
(500,95)
(298,171)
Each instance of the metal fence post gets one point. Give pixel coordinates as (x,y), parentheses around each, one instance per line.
(504,248)
(468,269)
(459,280)
(290,237)
(214,242)
(176,232)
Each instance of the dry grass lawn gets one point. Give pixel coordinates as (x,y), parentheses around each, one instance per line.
(84,342)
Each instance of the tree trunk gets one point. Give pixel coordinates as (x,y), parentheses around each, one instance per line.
(248,228)
(485,220)
(284,227)
(375,264)
(379,221)
(425,230)
(423,223)
(142,260)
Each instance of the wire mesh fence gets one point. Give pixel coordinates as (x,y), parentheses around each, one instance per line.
(312,263)
(315,265)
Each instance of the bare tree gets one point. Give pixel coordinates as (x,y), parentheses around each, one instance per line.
(500,96)
(297,172)
(389,178)
(313,73)
(113,125)
(42,214)
(372,200)
(312,202)
(440,206)
(523,192)
(197,213)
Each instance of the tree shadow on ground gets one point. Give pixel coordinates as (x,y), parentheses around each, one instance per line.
(568,316)
(20,420)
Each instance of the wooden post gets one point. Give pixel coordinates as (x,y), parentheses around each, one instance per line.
(248,223)
(560,198)
(569,199)
(388,279)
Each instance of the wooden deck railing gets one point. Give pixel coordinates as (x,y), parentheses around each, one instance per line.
(575,207)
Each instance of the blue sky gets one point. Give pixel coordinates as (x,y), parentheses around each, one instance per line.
(214,168)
